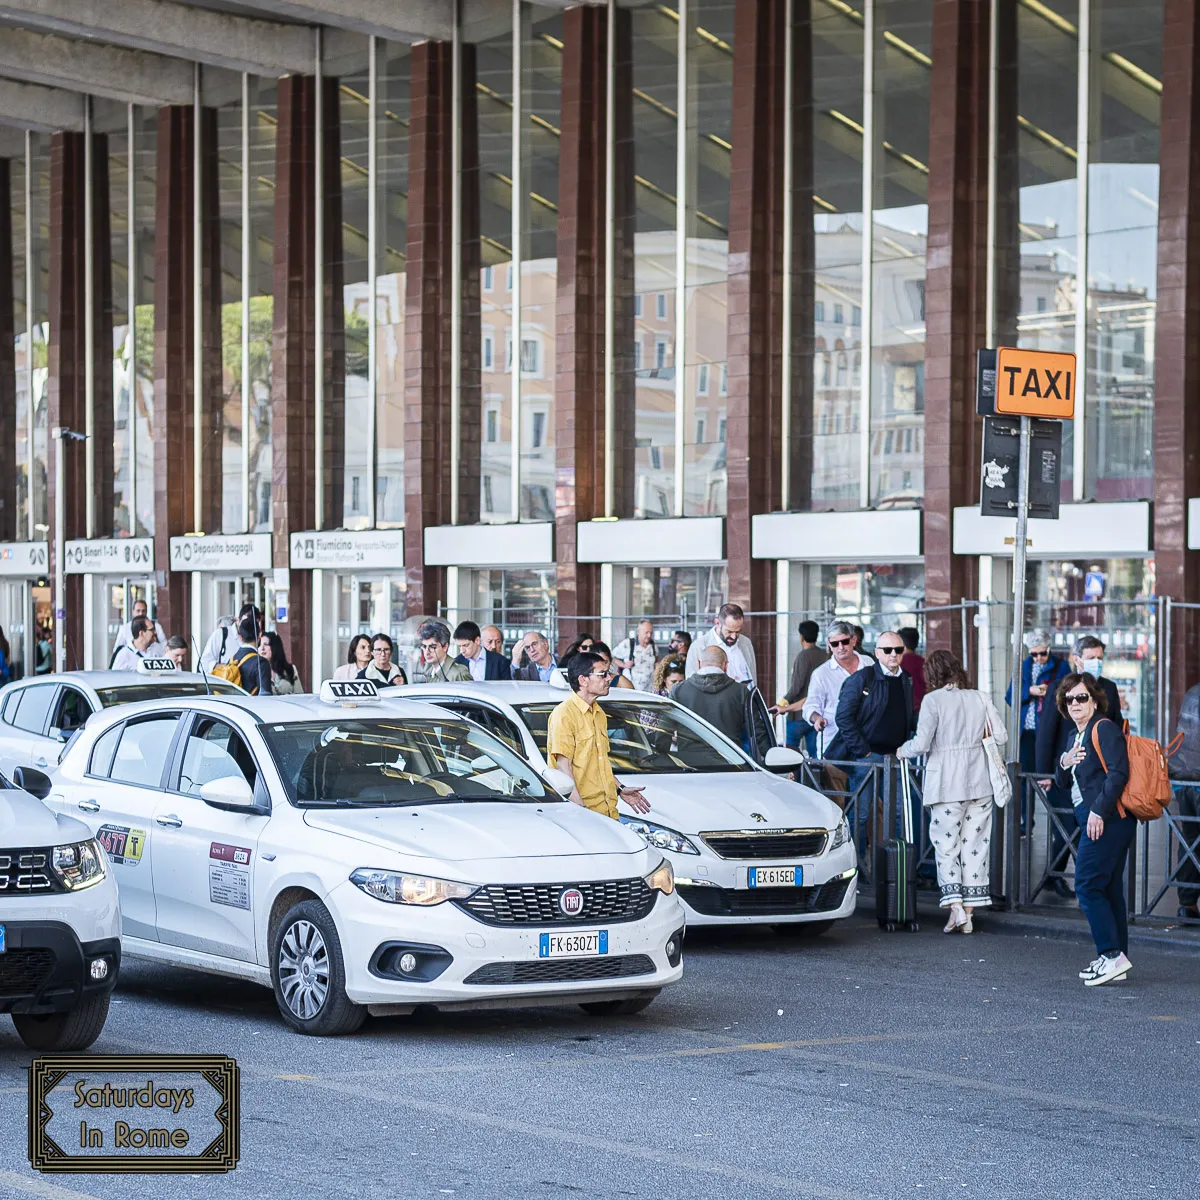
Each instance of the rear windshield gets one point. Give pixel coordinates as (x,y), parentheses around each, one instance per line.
(130,693)
(651,738)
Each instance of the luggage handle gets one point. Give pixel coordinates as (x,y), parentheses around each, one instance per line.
(906,822)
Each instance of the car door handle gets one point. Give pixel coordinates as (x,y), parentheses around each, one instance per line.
(39,762)
(89,806)
(171,821)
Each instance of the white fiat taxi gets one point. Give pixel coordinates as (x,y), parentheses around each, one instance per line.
(360,858)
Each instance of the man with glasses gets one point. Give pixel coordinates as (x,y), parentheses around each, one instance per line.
(825,687)
(381,671)
(436,664)
(1041,673)
(540,661)
(577,741)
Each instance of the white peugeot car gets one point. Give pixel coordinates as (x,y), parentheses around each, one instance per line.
(748,846)
(359,858)
(39,715)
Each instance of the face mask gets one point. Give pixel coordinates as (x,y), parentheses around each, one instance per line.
(1093,667)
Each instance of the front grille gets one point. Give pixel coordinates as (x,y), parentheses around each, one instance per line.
(566,970)
(768,901)
(537,903)
(27,872)
(779,843)
(23,971)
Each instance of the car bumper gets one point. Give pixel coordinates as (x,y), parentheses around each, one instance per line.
(47,969)
(469,964)
(715,890)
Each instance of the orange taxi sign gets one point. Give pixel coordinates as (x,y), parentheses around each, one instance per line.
(1035,383)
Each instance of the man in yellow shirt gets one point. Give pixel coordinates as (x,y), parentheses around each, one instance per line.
(577,741)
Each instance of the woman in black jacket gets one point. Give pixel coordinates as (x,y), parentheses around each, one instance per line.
(1095,782)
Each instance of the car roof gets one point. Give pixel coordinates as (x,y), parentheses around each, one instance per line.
(505,692)
(108,679)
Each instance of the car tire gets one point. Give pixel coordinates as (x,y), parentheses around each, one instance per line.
(308,974)
(74,1030)
(618,1008)
(804,929)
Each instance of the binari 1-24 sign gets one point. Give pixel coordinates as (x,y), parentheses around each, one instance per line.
(1035,383)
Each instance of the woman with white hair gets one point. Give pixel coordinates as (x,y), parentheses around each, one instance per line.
(1041,673)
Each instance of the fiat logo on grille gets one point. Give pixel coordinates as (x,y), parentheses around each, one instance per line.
(571,902)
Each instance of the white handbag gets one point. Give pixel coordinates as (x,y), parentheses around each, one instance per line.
(1001,783)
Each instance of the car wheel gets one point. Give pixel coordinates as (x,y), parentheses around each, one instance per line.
(803,929)
(619,1008)
(74,1030)
(309,976)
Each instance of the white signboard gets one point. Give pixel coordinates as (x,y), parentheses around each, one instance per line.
(110,556)
(24,559)
(242,553)
(359,549)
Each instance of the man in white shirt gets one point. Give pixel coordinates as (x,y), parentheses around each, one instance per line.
(825,683)
(125,633)
(127,657)
(739,650)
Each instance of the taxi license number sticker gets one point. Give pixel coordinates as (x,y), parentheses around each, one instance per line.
(229,875)
(122,844)
(775,877)
(582,943)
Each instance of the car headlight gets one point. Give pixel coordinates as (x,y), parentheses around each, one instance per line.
(397,888)
(842,835)
(662,878)
(79,865)
(659,836)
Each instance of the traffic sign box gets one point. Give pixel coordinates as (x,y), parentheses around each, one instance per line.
(1025,383)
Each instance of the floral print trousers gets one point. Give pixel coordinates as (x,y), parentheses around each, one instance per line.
(961,833)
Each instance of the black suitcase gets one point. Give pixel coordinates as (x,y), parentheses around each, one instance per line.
(896,868)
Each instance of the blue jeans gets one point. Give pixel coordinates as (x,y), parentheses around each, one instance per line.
(799,731)
(1100,880)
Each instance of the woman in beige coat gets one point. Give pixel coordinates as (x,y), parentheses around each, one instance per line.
(951,727)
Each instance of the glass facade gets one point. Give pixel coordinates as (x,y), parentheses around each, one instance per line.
(21,339)
(39,272)
(145,140)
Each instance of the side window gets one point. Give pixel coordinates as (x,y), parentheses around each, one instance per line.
(35,708)
(142,751)
(494,722)
(102,752)
(71,711)
(9,713)
(215,751)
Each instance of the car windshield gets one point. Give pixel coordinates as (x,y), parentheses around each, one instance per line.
(393,762)
(649,737)
(131,693)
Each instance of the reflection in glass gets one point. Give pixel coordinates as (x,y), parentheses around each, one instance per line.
(39,266)
(16,199)
(516,601)
(263,120)
(903,46)
(229,185)
(145,125)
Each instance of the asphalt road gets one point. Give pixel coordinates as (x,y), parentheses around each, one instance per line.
(859,1065)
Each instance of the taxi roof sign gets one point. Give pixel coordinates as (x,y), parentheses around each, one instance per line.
(349,692)
(1035,383)
(156,666)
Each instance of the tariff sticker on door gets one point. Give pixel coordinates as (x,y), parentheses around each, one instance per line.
(584,943)
(229,875)
(122,844)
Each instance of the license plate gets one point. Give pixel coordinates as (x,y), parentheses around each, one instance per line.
(3,940)
(583,943)
(775,877)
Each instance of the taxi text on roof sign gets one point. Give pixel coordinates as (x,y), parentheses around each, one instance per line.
(349,692)
(1035,383)
(156,666)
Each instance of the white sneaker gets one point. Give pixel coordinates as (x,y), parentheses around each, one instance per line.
(1093,968)
(1112,970)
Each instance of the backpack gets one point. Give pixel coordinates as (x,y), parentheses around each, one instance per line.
(231,671)
(1148,791)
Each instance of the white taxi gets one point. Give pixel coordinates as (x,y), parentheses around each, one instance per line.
(748,846)
(39,715)
(357,858)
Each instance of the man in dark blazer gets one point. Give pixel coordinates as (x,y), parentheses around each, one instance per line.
(483,664)
(1053,735)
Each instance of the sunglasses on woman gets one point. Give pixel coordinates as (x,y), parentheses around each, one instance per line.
(1077,698)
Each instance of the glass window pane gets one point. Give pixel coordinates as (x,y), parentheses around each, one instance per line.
(144,194)
(903,45)
(263,119)
(40,268)
(16,179)
(142,751)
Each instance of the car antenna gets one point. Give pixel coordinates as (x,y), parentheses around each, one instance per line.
(204,673)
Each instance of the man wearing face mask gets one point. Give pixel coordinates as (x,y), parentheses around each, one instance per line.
(1054,735)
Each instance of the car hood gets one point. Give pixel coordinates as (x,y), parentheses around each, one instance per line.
(26,821)
(741,800)
(483,832)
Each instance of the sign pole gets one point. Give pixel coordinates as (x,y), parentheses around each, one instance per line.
(60,528)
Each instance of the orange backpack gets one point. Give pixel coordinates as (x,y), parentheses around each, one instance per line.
(1148,790)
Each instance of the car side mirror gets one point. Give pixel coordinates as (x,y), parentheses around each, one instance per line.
(782,760)
(560,781)
(231,793)
(30,780)
(60,735)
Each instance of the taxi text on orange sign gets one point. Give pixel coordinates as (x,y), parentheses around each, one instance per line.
(1035,383)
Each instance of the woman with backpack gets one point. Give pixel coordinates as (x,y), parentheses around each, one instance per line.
(1094,769)
(951,726)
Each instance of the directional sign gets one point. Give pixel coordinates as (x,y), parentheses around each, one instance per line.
(1035,383)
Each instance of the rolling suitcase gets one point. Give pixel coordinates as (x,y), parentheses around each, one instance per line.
(896,868)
